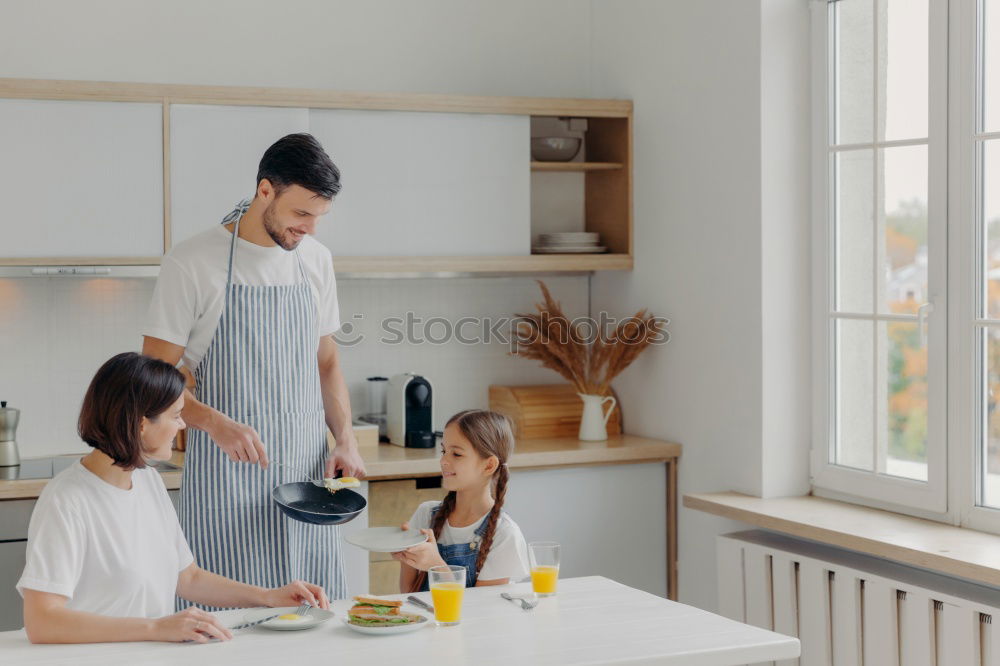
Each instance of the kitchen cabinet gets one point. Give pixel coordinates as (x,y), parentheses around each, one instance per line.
(611,520)
(12,555)
(214,153)
(426,183)
(81,179)
(435,185)
(14,518)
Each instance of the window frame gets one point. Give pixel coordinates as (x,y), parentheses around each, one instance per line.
(964,241)
(828,479)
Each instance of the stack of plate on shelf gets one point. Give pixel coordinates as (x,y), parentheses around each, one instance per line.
(569,242)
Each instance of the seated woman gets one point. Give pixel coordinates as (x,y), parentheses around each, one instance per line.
(106,554)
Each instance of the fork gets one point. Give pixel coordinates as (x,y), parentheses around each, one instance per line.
(525,604)
(318,484)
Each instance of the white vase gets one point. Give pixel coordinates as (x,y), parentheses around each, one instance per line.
(593,423)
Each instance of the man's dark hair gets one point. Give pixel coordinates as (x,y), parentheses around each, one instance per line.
(299,159)
(127,387)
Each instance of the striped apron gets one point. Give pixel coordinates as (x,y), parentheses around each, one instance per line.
(261,370)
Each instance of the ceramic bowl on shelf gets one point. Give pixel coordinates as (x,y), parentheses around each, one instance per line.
(555,148)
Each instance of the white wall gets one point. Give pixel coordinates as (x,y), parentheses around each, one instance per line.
(785,246)
(705,182)
(515,47)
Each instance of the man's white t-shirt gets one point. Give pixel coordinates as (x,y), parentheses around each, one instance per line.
(111,551)
(191,290)
(508,556)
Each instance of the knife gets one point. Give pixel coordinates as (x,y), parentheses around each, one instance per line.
(421,603)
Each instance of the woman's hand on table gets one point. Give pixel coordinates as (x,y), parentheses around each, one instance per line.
(422,556)
(295,593)
(191,624)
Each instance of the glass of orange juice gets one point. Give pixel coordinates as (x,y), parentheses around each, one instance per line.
(544,556)
(447,583)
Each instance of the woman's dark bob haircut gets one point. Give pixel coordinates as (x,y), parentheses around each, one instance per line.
(128,387)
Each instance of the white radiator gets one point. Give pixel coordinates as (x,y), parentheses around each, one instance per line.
(849,609)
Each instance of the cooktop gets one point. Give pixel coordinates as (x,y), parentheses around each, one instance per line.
(46,468)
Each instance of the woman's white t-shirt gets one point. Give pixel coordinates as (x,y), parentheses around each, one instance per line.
(508,556)
(191,288)
(111,551)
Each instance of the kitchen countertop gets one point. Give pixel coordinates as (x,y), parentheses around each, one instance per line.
(593,620)
(395,462)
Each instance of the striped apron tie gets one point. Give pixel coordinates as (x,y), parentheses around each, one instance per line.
(260,369)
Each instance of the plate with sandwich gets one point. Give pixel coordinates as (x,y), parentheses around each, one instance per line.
(372,615)
(385,539)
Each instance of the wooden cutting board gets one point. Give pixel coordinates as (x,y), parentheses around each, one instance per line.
(545,410)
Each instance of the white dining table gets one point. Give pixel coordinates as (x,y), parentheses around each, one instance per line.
(592,620)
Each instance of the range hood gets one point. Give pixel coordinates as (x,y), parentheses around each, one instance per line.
(132,271)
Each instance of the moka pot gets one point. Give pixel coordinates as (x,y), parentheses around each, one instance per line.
(8,430)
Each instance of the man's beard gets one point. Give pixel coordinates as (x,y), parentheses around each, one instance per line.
(284,240)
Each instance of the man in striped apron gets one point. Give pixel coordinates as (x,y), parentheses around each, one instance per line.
(250,306)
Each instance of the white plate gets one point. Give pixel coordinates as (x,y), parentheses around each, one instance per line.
(569,249)
(389,629)
(316,616)
(586,235)
(385,539)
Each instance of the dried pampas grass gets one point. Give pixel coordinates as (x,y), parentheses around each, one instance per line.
(588,358)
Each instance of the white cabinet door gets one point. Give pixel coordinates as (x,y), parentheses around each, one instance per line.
(12,558)
(610,520)
(214,154)
(81,179)
(427,183)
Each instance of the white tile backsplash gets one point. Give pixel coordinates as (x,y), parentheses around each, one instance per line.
(56,332)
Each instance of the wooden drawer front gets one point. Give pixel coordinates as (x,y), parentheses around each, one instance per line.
(383,578)
(391,503)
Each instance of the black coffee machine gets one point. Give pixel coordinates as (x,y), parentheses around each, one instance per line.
(410,414)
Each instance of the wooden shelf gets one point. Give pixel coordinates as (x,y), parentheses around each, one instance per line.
(576,166)
(108,91)
(526,264)
(387,266)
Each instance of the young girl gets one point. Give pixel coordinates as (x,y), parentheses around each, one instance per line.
(469,527)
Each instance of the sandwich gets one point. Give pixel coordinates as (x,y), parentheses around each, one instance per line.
(374,612)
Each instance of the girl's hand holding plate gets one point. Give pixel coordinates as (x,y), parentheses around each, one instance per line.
(422,556)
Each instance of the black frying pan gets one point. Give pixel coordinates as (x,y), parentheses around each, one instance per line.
(305,502)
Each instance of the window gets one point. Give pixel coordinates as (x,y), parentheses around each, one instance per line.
(907,261)
(882,163)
